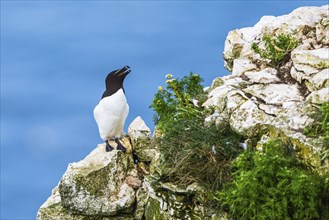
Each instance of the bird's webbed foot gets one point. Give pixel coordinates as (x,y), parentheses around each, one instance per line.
(108,147)
(119,145)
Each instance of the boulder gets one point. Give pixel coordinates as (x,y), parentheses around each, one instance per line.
(101,185)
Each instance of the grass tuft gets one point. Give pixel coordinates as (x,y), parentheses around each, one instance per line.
(277,49)
(191,152)
(194,153)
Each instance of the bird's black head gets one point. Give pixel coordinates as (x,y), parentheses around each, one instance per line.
(114,80)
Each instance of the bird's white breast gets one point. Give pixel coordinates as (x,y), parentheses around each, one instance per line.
(110,115)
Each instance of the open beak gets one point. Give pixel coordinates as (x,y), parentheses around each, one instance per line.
(124,71)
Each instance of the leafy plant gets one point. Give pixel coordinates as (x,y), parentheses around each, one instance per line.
(191,152)
(272,185)
(178,101)
(277,49)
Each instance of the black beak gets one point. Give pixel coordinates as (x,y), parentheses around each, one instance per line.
(123,71)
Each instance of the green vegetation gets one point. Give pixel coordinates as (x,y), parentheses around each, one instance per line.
(192,152)
(273,184)
(175,102)
(320,131)
(321,124)
(277,49)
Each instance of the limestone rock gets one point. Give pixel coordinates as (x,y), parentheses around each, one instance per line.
(53,210)
(96,185)
(142,200)
(168,201)
(294,116)
(265,76)
(318,58)
(138,129)
(218,95)
(242,65)
(257,96)
(215,83)
(305,70)
(313,78)
(140,137)
(301,74)
(269,109)
(322,31)
(320,96)
(249,120)
(275,93)
(301,22)
(320,79)
(99,186)
(237,98)
(232,49)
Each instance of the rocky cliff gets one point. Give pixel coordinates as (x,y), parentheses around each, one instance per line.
(259,100)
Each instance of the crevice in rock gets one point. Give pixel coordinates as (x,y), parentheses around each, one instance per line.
(284,75)
(259,100)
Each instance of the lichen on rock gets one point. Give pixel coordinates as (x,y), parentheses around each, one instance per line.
(140,136)
(96,186)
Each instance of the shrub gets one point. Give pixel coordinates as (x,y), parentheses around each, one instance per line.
(277,49)
(177,101)
(272,185)
(191,152)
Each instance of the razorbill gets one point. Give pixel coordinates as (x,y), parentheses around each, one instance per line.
(112,110)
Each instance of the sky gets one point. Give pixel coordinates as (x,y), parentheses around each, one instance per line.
(55,56)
